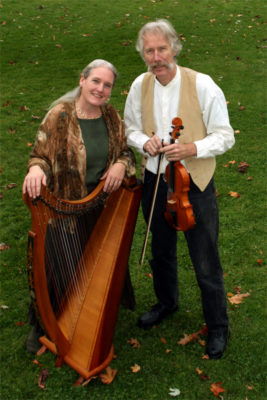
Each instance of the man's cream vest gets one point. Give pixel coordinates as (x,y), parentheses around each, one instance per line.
(200,169)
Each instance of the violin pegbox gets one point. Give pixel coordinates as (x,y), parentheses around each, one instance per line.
(177,125)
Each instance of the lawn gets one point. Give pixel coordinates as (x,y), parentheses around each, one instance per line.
(44,46)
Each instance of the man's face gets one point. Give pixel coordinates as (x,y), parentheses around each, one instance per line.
(159,56)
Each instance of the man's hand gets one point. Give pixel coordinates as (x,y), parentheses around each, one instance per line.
(153,146)
(179,151)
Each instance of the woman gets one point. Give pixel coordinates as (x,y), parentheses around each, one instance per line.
(80,142)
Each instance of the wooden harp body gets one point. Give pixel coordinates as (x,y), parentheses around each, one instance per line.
(78,255)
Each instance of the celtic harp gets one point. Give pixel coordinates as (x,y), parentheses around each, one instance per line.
(78,255)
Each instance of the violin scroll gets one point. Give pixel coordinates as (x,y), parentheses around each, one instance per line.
(177,125)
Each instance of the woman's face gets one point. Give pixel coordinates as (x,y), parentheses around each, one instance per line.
(97,87)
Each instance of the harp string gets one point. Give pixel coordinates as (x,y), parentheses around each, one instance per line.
(65,234)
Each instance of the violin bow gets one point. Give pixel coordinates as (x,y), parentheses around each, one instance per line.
(151,211)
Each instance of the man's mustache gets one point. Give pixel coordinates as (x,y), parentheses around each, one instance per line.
(159,65)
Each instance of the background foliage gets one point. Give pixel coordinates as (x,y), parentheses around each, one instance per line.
(44,46)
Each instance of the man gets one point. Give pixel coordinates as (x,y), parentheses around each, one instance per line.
(155,98)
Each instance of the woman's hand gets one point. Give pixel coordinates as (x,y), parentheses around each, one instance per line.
(33,180)
(114,177)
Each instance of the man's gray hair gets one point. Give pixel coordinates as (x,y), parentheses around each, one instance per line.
(163,27)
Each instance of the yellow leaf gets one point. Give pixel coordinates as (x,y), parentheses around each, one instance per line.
(134,343)
(109,376)
(199,371)
(238,298)
(217,389)
(135,368)
(234,194)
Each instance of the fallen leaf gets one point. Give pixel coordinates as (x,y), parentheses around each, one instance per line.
(217,389)
(134,343)
(238,298)
(24,108)
(203,331)
(20,323)
(174,392)
(259,261)
(188,339)
(12,185)
(234,194)
(237,289)
(168,351)
(250,387)
(163,340)
(243,166)
(4,246)
(109,376)
(200,373)
(4,307)
(37,363)
(193,336)
(135,368)
(42,378)
(204,377)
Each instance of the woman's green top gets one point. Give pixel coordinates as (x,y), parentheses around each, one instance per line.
(95,137)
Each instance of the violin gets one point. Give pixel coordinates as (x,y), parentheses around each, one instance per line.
(179,212)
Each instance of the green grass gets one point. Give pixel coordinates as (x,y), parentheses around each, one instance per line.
(44,46)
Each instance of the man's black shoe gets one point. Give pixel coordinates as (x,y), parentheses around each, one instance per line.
(154,316)
(217,342)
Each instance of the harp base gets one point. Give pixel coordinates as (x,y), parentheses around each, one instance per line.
(86,374)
